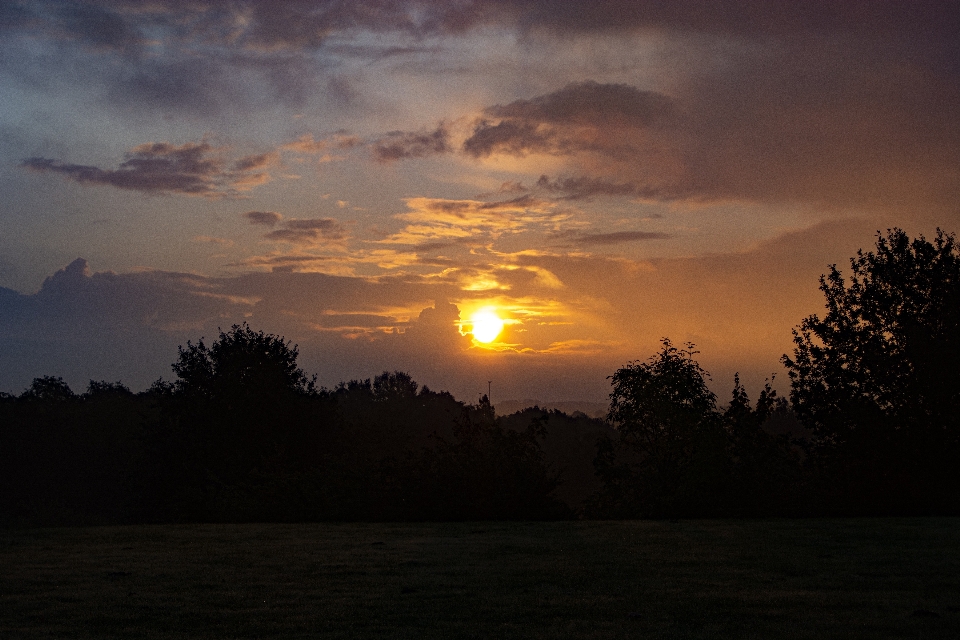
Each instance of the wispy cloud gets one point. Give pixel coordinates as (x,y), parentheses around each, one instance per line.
(309,231)
(307,144)
(435,220)
(401,145)
(162,168)
(580,187)
(223,242)
(618,237)
(265,218)
(574,118)
(308,25)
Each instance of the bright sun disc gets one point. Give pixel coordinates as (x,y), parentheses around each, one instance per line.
(487,325)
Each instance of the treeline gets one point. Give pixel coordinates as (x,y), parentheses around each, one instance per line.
(872,427)
(245,444)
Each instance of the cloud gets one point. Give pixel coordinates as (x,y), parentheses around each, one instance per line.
(162,168)
(283,262)
(76,301)
(504,214)
(309,24)
(309,231)
(779,126)
(819,102)
(508,187)
(398,145)
(265,218)
(741,18)
(585,187)
(90,24)
(623,141)
(98,27)
(309,145)
(223,242)
(255,161)
(84,324)
(842,105)
(571,119)
(430,220)
(590,104)
(619,237)
(173,83)
(512,137)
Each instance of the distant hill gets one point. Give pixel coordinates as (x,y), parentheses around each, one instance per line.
(591,409)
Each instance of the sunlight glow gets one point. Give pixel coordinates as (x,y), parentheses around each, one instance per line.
(487,325)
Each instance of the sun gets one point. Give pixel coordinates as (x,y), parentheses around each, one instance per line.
(487,325)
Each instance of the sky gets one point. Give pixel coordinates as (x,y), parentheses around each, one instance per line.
(362,176)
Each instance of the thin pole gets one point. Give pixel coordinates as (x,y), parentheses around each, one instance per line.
(489,382)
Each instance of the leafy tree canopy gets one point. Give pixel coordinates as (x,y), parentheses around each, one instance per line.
(241,362)
(886,356)
(662,397)
(49,389)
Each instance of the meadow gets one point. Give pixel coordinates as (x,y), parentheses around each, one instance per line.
(802,578)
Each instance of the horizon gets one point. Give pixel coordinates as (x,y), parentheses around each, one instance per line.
(363,179)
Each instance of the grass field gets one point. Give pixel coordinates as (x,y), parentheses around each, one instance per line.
(869,578)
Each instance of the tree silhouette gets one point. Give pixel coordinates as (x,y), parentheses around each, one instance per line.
(394,386)
(670,450)
(877,378)
(240,362)
(764,466)
(485,472)
(49,389)
(240,417)
(653,401)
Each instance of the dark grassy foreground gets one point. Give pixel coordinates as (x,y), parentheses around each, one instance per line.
(869,578)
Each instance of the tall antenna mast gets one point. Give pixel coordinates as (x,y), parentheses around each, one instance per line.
(489,382)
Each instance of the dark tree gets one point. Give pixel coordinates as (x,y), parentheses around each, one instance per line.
(69,459)
(49,389)
(242,361)
(241,423)
(877,378)
(764,465)
(670,452)
(654,402)
(394,386)
(484,472)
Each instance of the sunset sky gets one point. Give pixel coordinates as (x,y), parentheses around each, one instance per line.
(361,176)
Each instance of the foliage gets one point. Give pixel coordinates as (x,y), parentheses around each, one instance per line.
(665,459)
(656,403)
(50,389)
(68,458)
(209,448)
(393,386)
(877,378)
(237,409)
(677,454)
(242,361)
(568,447)
(765,467)
(485,472)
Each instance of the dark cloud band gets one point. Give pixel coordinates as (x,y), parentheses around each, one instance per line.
(401,145)
(194,169)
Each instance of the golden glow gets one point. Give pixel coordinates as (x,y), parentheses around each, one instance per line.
(487,325)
